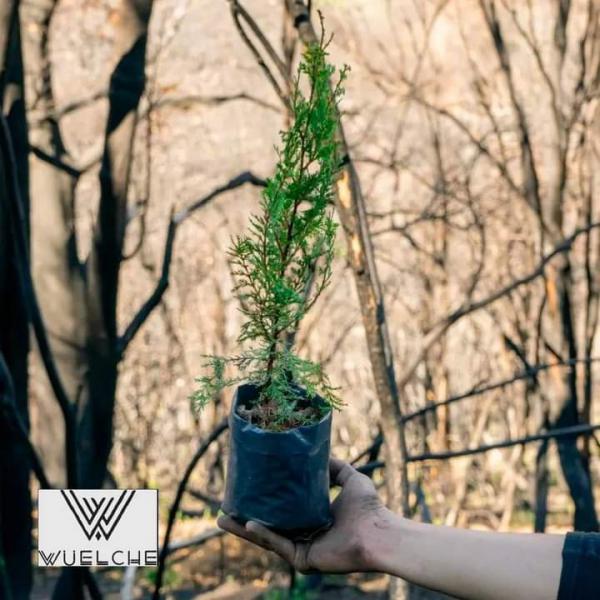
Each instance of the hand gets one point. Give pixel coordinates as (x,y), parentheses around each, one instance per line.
(358,514)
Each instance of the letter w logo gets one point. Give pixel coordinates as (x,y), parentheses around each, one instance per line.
(97,517)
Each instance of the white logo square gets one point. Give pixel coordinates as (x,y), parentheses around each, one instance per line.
(78,528)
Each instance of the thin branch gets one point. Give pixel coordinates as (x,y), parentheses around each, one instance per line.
(212,503)
(163,283)
(477,142)
(237,11)
(56,162)
(186,101)
(530,373)
(262,38)
(563,432)
(530,183)
(164,551)
(196,540)
(442,326)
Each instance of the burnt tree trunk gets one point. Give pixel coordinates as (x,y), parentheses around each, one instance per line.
(352,212)
(103,346)
(56,270)
(563,397)
(15,497)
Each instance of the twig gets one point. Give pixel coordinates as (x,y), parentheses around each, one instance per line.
(444,324)
(212,503)
(236,12)
(372,449)
(56,162)
(574,431)
(262,38)
(204,446)
(479,390)
(196,540)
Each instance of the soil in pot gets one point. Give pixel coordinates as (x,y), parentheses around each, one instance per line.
(279,478)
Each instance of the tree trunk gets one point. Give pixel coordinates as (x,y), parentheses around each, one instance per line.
(15,496)
(56,270)
(96,394)
(126,89)
(562,395)
(351,210)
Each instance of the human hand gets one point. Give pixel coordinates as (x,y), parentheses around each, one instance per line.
(358,514)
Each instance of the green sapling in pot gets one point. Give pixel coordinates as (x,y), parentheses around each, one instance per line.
(280,420)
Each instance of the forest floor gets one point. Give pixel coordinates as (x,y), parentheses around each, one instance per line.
(227,568)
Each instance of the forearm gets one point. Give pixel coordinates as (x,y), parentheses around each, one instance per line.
(468,564)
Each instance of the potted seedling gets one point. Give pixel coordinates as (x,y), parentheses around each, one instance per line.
(280,420)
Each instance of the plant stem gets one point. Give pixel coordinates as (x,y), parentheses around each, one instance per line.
(276,332)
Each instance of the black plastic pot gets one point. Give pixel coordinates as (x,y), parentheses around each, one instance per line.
(278,479)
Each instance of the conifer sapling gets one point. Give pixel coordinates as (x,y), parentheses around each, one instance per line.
(284,261)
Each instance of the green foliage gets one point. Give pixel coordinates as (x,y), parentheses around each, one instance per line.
(283,263)
(170,577)
(299,592)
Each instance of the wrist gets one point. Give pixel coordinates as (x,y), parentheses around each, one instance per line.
(381,540)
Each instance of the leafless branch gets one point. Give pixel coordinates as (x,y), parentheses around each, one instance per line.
(164,552)
(444,324)
(163,283)
(478,390)
(563,432)
(7,406)
(239,13)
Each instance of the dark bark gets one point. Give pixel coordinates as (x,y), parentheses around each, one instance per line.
(56,271)
(126,89)
(173,511)
(15,498)
(563,397)
(96,395)
(542,484)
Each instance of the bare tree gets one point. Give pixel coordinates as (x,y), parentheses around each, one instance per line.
(15,497)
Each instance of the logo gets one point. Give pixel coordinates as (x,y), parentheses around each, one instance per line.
(97,528)
(98,518)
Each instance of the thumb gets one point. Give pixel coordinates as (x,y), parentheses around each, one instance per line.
(284,547)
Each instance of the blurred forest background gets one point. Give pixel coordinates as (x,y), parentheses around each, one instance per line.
(461,325)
